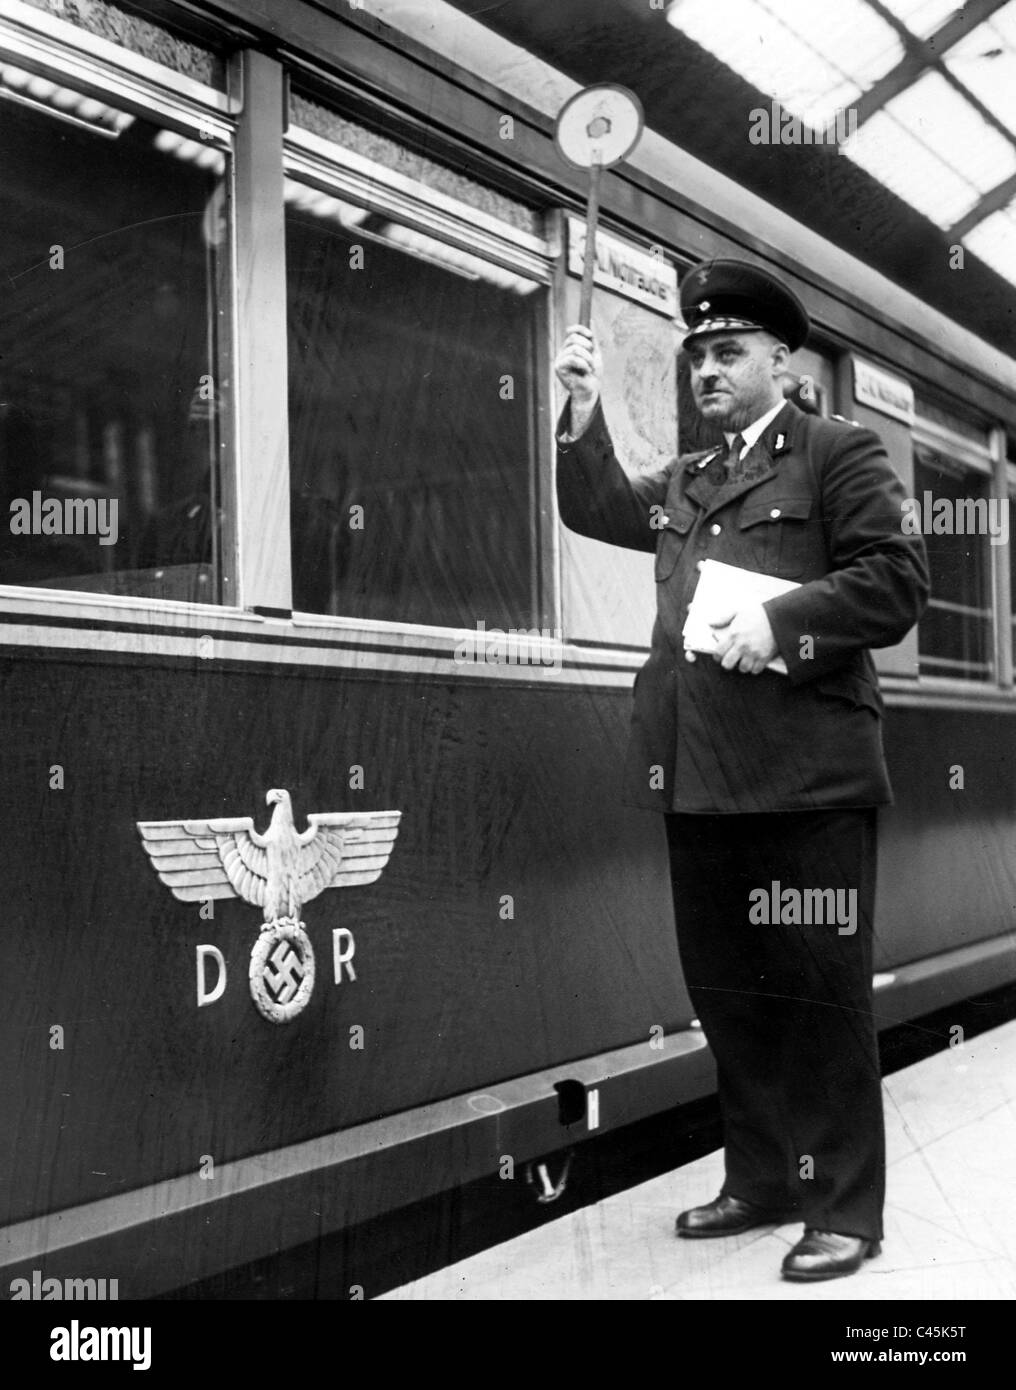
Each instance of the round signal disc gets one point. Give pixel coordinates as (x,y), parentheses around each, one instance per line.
(599,125)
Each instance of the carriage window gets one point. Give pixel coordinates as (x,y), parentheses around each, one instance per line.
(110,391)
(116,23)
(957,518)
(1010,551)
(411,418)
(352,137)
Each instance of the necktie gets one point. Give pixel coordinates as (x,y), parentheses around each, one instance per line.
(724,468)
(733,457)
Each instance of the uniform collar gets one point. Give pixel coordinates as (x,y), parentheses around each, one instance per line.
(777,437)
(776,430)
(751,433)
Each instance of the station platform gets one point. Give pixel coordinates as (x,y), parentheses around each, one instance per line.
(950,1225)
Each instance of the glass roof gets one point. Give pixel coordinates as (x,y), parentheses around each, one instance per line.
(929,87)
(985,62)
(794,49)
(922,17)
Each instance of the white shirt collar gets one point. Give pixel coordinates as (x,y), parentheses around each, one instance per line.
(750,434)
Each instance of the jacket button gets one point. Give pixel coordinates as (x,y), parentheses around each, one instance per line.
(775,512)
(716,528)
(689,656)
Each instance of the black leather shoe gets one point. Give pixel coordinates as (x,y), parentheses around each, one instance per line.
(827,1255)
(727,1216)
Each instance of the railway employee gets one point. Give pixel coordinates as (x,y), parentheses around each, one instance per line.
(768,781)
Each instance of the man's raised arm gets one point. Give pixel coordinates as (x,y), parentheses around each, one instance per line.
(595,496)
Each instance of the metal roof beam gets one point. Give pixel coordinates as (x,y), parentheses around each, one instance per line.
(994,200)
(921,53)
(960,23)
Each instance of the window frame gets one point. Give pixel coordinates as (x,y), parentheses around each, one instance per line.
(248,123)
(983,460)
(345,174)
(1003,561)
(62,53)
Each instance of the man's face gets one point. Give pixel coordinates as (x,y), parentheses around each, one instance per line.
(735,377)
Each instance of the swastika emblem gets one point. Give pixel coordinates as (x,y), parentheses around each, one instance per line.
(281,970)
(284,973)
(278,871)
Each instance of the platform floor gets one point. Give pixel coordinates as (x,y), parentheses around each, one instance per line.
(950,1213)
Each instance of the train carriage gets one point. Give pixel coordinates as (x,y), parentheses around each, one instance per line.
(285,600)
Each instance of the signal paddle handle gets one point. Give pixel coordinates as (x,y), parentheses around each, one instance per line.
(589,261)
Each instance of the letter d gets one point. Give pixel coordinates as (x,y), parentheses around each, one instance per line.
(206,996)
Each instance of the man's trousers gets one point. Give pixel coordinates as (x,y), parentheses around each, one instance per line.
(786,1004)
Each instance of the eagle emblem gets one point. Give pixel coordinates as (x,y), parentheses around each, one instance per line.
(279,872)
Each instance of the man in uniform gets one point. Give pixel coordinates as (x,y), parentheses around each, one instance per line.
(768,780)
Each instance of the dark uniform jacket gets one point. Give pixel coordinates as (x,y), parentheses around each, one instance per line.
(820,505)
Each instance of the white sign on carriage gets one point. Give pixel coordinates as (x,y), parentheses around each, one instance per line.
(639,275)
